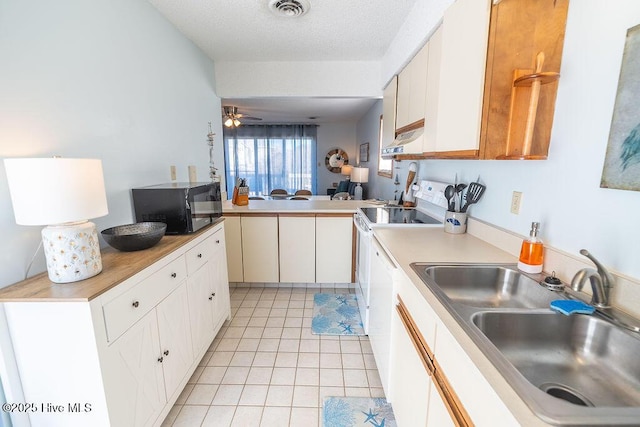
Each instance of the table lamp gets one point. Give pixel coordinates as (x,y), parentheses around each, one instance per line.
(359,175)
(61,194)
(346,170)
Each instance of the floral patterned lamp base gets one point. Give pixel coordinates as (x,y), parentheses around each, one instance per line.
(72,251)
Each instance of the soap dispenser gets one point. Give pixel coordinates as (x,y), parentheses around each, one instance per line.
(531,253)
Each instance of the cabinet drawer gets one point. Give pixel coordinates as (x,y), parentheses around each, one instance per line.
(128,308)
(199,254)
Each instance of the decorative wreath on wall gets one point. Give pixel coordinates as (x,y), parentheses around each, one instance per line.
(335,159)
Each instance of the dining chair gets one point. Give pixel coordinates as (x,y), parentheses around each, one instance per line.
(256,198)
(278,191)
(303,193)
(298,198)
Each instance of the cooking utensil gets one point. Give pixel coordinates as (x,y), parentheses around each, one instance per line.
(449,192)
(474,193)
(459,189)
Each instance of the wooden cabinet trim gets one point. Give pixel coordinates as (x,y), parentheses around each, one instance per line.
(334,215)
(411,126)
(294,215)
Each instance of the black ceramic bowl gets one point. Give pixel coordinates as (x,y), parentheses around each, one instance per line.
(134,237)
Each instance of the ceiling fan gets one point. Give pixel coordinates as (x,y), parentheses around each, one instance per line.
(232,118)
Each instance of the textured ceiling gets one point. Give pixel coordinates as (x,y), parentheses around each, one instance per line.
(246,30)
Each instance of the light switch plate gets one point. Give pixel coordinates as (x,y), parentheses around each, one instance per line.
(516,201)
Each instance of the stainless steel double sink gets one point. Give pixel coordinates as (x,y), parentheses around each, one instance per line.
(570,370)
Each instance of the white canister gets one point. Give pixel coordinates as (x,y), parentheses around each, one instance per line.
(455,222)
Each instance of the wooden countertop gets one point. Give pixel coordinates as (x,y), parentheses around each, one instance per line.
(116,267)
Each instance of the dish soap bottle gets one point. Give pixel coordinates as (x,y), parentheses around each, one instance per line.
(531,253)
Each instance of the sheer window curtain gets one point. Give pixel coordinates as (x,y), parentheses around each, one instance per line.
(271,156)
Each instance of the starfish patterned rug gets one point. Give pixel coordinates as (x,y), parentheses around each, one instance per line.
(336,314)
(357,411)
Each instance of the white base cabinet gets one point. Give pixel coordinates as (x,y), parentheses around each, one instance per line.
(297,248)
(303,247)
(380,310)
(419,383)
(260,248)
(334,249)
(123,357)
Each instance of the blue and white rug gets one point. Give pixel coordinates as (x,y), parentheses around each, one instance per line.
(336,314)
(357,411)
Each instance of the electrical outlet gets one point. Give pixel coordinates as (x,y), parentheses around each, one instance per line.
(516,200)
(173,173)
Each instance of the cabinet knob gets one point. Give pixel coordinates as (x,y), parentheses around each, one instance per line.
(160,359)
(199,255)
(174,275)
(213,294)
(217,241)
(211,298)
(135,304)
(166,352)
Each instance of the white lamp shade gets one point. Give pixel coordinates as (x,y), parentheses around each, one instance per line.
(56,190)
(360,175)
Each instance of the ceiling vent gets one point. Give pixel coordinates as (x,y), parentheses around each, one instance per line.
(289,8)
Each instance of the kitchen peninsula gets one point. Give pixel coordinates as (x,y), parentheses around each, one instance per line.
(291,241)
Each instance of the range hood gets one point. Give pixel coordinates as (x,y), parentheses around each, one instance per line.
(409,142)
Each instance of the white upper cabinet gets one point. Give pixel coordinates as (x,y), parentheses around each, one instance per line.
(432,92)
(389,112)
(465,35)
(412,86)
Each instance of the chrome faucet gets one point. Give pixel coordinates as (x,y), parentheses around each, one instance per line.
(601,281)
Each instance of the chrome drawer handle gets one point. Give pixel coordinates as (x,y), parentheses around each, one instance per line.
(174,275)
(199,255)
(135,304)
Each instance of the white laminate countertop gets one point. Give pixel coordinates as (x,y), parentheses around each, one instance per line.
(432,244)
(299,206)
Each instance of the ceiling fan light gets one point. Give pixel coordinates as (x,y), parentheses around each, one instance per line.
(229,122)
(236,122)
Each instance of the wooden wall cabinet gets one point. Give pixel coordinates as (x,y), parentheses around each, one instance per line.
(481,72)
(519,31)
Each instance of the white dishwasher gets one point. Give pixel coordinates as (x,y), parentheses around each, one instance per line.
(380,309)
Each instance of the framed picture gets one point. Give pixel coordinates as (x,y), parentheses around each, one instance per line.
(622,162)
(364,152)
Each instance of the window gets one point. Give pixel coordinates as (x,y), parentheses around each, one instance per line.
(270,157)
(385,166)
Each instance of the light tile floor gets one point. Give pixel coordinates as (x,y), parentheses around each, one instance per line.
(266,368)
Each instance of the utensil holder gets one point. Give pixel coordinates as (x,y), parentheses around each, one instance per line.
(455,222)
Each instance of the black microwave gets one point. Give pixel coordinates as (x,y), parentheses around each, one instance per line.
(184,207)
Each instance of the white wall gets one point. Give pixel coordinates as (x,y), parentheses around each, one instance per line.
(107,79)
(564,191)
(302,78)
(334,135)
(367,130)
